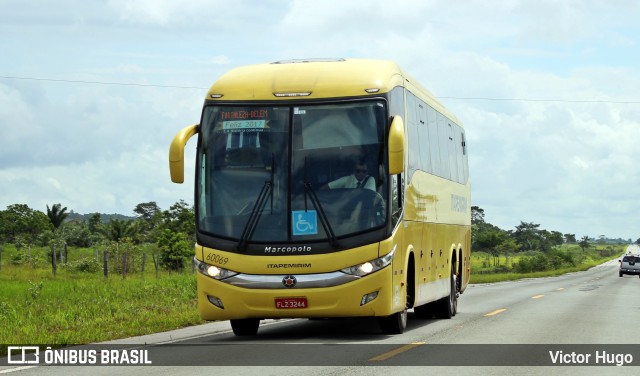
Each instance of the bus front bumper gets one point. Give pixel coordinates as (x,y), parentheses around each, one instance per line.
(371,295)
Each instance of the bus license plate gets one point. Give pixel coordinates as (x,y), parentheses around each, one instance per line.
(291,303)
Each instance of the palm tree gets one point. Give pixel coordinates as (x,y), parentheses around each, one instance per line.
(57,214)
(118,229)
(584,243)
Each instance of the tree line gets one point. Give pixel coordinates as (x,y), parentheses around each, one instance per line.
(527,238)
(171,231)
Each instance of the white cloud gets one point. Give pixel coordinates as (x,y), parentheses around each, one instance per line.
(106,185)
(15,113)
(54,183)
(215,15)
(161,12)
(219,60)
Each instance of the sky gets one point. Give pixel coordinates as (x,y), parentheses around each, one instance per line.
(92,93)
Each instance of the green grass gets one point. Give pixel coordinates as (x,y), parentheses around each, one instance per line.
(78,307)
(501,277)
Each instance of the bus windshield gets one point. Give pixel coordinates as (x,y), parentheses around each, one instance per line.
(295,174)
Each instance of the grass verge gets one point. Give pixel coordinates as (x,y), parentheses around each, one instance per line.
(502,277)
(569,259)
(63,310)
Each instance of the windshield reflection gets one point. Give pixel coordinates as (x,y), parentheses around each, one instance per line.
(292,173)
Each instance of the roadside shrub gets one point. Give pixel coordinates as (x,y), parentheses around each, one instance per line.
(174,249)
(117,250)
(86,265)
(35,289)
(607,252)
(28,258)
(6,311)
(563,258)
(530,264)
(501,269)
(554,259)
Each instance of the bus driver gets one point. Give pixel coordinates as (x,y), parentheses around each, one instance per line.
(360,178)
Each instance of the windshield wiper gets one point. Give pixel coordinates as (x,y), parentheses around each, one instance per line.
(318,206)
(256,212)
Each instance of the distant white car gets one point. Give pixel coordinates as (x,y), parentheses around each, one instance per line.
(630,264)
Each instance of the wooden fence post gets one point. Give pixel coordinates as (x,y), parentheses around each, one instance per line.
(106,263)
(53,260)
(0,257)
(144,261)
(124,265)
(156,263)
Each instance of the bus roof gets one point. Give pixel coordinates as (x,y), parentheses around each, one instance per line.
(315,79)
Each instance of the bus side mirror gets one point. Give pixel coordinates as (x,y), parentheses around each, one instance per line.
(396,146)
(176,152)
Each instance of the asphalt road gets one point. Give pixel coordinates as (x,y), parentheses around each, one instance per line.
(504,328)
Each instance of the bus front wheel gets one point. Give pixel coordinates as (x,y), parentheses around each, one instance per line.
(245,327)
(394,324)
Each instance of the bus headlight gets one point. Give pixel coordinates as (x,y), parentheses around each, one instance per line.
(370,266)
(213,271)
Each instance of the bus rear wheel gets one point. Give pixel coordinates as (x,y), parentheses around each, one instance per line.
(447,307)
(245,327)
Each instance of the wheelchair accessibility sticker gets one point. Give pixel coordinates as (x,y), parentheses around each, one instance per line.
(304,222)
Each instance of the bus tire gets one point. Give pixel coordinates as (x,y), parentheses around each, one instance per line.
(447,307)
(394,324)
(245,327)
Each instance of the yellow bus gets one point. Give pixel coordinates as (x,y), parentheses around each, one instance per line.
(327,188)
